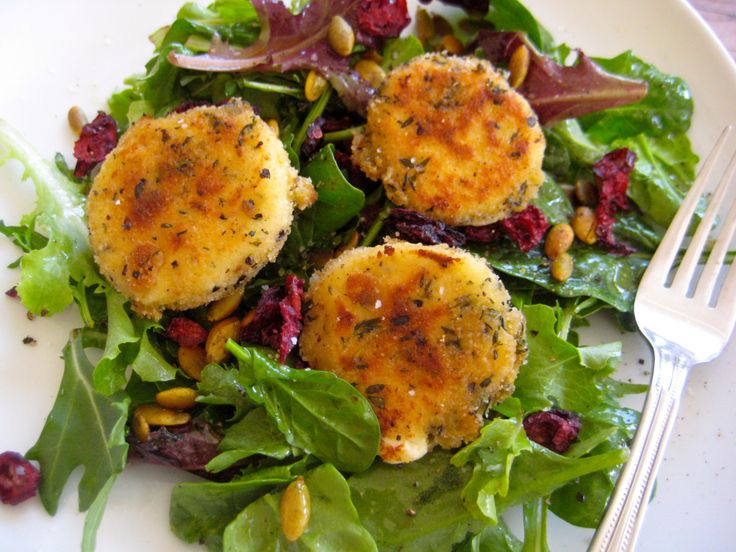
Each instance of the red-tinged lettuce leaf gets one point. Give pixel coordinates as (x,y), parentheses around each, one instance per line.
(558,92)
(289,42)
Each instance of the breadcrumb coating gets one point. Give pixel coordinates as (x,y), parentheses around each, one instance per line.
(427,333)
(190,206)
(449,138)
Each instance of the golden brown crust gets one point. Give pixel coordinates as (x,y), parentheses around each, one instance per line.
(449,138)
(189,206)
(427,333)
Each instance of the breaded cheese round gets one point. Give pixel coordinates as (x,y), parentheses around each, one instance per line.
(189,206)
(427,333)
(449,137)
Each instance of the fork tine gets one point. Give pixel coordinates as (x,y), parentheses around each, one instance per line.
(670,245)
(712,269)
(685,271)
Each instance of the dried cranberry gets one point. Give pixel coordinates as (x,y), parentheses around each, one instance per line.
(277,322)
(526,228)
(12,292)
(415,227)
(554,429)
(612,179)
(186,332)
(383,18)
(19,478)
(290,308)
(96,140)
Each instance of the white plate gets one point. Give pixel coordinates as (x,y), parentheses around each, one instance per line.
(59,54)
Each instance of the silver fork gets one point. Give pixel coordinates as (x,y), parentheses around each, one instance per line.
(688,321)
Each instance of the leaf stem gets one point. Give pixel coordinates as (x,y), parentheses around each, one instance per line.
(375,228)
(317,109)
(275,88)
(344,134)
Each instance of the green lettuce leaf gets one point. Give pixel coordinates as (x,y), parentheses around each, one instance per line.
(667,109)
(511,15)
(611,278)
(492,454)
(334,524)
(57,273)
(314,409)
(254,434)
(664,170)
(337,200)
(222,386)
(415,506)
(538,472)
(199,512)
(85,428)
(149,363)
(400,50)
(109,373)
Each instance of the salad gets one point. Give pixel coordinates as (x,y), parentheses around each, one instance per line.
(545,323)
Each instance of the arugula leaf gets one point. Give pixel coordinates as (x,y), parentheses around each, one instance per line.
(315,410)
(84,428)
(24,236)
(493,453)
(94,516)
(334,524)
(45,286)
(254,434)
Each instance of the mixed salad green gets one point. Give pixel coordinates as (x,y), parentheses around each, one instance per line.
(274,422)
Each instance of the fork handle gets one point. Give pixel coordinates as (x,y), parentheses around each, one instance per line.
(621,523)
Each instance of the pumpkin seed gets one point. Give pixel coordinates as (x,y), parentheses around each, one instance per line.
(371,72)
(452,44)
(561,267)
(222,308)
(77,119)
(177,398)
(584,223)
(519,66)
(214,347)
(155,414)
(558,241)
(141,429)
(314,86)
(340,36)
(192,361)
(295,509)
